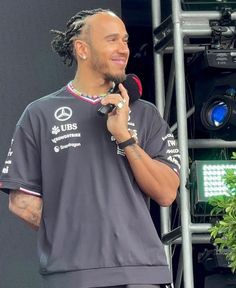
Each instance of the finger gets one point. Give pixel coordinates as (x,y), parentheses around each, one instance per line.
(124,93)
(112,99)
(121,104)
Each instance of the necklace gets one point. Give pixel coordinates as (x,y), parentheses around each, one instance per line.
(93,97)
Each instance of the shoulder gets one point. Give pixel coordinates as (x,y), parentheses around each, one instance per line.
(146,108)
(42,104)
(45,100)
(147,116)
(143,104)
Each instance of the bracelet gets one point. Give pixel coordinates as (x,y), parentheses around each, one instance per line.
(126,143)
(132,140)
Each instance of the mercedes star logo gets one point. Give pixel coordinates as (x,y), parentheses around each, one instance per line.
(63,113)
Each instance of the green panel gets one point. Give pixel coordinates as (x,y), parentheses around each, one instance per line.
(199,197)
(209,178)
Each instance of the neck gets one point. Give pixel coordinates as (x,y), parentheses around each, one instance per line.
(91,85)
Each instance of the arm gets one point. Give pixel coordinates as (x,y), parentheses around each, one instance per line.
(27,207)
(155,178)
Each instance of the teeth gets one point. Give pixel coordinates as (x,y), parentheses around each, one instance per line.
(120,59)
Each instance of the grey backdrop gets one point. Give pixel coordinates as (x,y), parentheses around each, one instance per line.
(28,70)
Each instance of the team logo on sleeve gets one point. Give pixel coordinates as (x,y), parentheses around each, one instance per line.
(8,161)
(172,151)
(63,113)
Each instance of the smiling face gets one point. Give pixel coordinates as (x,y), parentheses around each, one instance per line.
(107,43)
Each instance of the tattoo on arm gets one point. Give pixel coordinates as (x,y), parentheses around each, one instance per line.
(18,200)
(135,152)
(27,207)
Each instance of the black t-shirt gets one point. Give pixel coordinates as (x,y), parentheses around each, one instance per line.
(96,229)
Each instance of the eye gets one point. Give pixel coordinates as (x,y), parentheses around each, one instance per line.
(111,39)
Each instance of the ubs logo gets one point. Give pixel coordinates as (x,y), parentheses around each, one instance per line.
(63,113)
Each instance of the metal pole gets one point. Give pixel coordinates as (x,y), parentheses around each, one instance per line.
(160,102)
(183,140)
(158,60)
(211,143)
(200,227)
(179,274)
(211,15)
(170,88)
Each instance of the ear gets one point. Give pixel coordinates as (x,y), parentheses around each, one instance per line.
(81,49)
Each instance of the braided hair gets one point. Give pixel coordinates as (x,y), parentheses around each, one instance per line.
(62,43)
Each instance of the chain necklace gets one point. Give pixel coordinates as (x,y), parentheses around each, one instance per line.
(92,97)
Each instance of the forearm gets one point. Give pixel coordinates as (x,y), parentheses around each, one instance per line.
(26,207)
(155,178)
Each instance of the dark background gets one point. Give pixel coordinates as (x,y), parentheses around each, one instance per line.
(29,70)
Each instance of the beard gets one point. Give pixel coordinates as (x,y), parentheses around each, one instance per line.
(101,67)
(115,78)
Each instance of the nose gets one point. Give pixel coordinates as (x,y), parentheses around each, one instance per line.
(123,47)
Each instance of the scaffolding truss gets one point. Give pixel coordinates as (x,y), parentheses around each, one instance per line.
(184,24)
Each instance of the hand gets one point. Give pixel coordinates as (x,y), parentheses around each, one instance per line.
(117,121)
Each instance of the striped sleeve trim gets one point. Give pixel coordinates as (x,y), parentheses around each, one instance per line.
(30,192)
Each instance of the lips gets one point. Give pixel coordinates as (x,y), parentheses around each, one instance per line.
(120,61)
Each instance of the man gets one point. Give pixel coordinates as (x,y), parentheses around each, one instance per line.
(82,179)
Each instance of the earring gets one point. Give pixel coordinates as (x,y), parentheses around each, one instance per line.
(83,57)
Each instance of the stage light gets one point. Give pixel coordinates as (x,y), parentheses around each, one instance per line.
(206,181)
(204,5)
(211,77)
(218,113)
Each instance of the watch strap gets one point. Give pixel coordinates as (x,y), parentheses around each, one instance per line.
(126,143)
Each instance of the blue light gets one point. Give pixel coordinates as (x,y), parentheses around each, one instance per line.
(219,113)
(231,92)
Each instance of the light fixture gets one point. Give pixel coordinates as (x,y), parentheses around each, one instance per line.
(218,113)
(211,78)
(206,181)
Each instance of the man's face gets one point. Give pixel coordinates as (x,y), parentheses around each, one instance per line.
(108,46)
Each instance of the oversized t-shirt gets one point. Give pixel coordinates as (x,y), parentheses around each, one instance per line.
(96,229)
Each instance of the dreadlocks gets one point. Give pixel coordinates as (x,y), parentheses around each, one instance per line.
(62,43)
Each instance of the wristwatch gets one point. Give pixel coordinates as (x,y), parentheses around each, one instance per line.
(132,140)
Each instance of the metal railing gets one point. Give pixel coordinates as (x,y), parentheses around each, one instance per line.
(185,23)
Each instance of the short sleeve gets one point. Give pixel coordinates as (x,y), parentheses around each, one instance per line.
(161,144)
(21,170)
